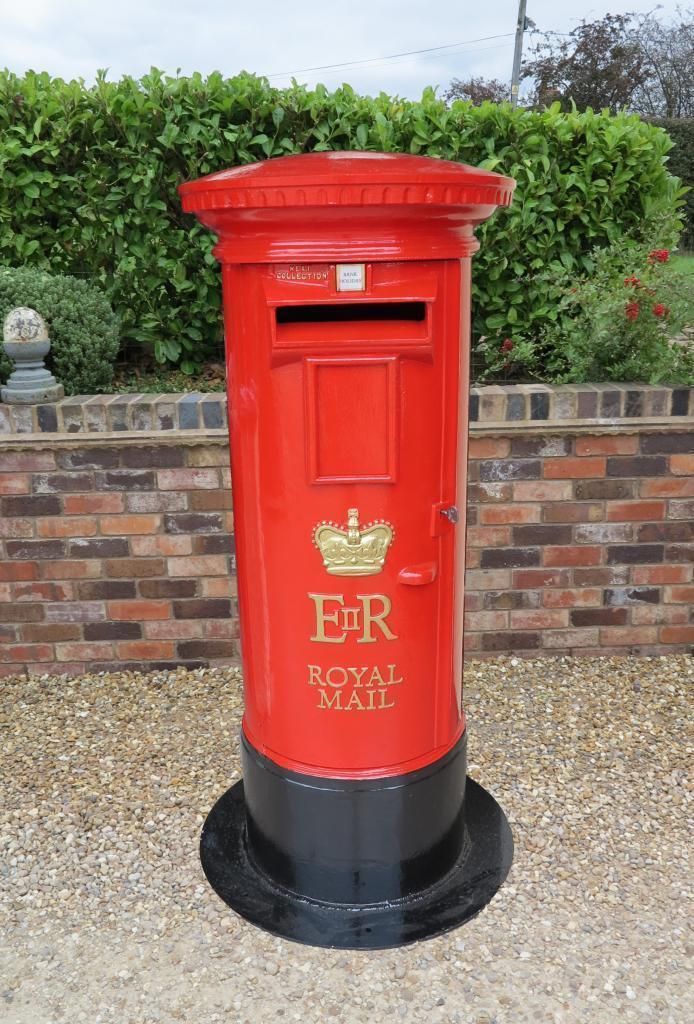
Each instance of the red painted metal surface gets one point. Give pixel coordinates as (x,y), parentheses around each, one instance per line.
(348,423)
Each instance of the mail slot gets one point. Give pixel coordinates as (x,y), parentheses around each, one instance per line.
(344,277)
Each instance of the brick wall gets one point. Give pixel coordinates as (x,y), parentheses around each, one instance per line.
(116,555)
(116,548)
(581,544)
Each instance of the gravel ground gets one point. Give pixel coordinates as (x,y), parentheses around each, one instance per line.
(108,917)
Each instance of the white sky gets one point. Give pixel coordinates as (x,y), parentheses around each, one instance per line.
(72,38)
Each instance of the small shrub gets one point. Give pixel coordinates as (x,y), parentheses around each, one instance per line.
(81,325)
(619,321)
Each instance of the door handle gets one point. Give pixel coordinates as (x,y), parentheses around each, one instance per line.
(418,575)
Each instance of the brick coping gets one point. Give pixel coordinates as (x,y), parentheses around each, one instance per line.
(494,407)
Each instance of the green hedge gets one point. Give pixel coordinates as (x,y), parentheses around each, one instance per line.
(88,182)
(681,163)
(83,329)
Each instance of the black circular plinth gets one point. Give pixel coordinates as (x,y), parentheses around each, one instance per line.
(464,891)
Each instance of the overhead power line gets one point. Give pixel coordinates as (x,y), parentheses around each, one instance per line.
(390,56)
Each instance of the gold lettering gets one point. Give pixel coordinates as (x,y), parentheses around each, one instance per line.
(376,678)
(314,675)
(354,703)
(336,668)
(383,703)
(391,681)
(371,619)
(350,619)
(331,700)
(322,617)
(357,673)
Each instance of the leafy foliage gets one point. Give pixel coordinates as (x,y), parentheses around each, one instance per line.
(88,182)
(681,163)
(618,323)
(478,90)
(81,325)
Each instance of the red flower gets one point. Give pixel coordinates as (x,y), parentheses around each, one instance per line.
(632,282)
(660,310)
(631,310)
(506,345)
(659,256)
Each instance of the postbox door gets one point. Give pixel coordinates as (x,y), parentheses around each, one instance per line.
(354,441)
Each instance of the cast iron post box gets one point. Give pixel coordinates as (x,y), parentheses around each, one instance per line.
(346,283)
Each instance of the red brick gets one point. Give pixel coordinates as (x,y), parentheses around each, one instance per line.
(175,629)
(92,504)
(19,570)
(677,634)
(21,612)
(30,505)
(573,469)
(530,579)
(681,510)
(188,479)
(202,608)
(677,594)
(137,610)
(488,536)
(628,635)
(15,483)
(486,620)
(489,447)
(487,580)
(565,639)
(120,525)
(682,465)
(557,556)
(41,591)
(26,462)
(653,615)
(482,493)
(210,501)
(5,592)
(148,650)
(223,629)
(472,558)
(50,632)
(83,652)
(542,490)
(572,512)
(539,619)
(75,611)
(124,568)
(59,527)
(587,597)
(622,444)
(16,527)
(601,576)
(667,487)
(660,574)
(72,569)
(26,652)
(199,565)
(207,649)
(621,511)
(213,586)
(510,641)
(217,455)
(492,515)
(162,545)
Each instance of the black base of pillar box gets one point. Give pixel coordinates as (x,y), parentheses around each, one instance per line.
(356,864)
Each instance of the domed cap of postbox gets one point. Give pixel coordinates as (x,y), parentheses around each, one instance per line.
(378,205)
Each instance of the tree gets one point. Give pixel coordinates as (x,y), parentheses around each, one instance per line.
(667,56)
(600,64)
(477,90)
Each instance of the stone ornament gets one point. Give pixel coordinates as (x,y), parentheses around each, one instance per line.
(26,342)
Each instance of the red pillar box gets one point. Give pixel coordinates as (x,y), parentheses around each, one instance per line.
(346,280)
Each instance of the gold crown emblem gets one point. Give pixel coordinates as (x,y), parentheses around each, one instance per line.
(356,550)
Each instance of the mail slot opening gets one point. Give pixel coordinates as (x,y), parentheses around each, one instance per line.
(351,312)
